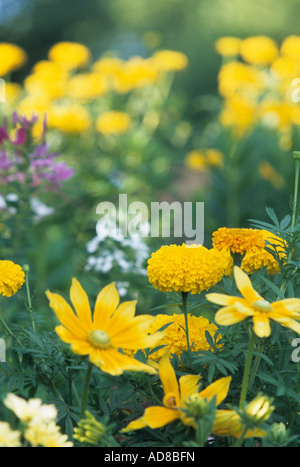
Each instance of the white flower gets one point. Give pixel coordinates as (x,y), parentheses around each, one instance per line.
(33,410)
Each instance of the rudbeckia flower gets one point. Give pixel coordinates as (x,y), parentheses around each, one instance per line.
(252,305)
(110,328)
(177,396)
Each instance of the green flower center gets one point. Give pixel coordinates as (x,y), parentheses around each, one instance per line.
(99,339)
(262,305)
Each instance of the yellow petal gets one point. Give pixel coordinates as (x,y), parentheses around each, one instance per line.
(106,304)
(262,326)
(168,377)
(229,315)
(189,384)
(245,286)
(221,299)
(66,315)
(80,302)
(219,388)
(154,417)
(115,363)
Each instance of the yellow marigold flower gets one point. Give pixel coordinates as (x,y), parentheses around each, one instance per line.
(12,58)
(113,122)
(86,86)
(177,396)
(174,340)
(259,50)
(170,60)
(285,67)
(187,268)
(228,46)
(69,55)
(239,113)
(69,118)
(110,328)
(251,243)
(291,47)
(235,309)
(12,92)
(9,438)
(12,277)
(135,73)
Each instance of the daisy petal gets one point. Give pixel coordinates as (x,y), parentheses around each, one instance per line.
(229,315)
(221,299)
(81,304)
(154,417)
(106,304)
(115,363)
(66,315)
(168,377)
(245,286)
(262,326)
(219,388)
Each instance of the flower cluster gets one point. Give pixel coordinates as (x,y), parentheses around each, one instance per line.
(251,245)
(12,277)
(25,161)
(38,421)
(256,82)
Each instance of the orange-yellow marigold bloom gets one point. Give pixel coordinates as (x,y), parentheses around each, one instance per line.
(187,268)
(69,55)
(100,335)
(113,122)
(259,50)
(251,305)
(12,277)
(12,57)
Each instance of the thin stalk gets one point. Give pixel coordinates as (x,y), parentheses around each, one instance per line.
(86,388)
(10,332)
(185,311)
(26,269)
(240,440)
(247,370)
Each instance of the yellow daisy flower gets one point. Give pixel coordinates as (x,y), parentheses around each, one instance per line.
(251,305)
(110,328)
(176,397)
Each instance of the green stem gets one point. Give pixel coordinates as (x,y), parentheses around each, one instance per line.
(9,331)
(86,388)
(185,311)
(26,269)
(255,366)
(247,370)
(240,440)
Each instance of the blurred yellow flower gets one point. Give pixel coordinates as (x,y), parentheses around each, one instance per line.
(12,277)
(187,268)
(202,160)
(228,46)
(230,423)
(100,335)
(86,86)
(259,50)
(239,113)
(170,60)
(113,122)
(237,76)
(174,339)
(235,309)
(134,73)
(13,91)
(70,55)
(47,435)
(9,438)
(12,58)
(290,47)
(69,118)
(267,172)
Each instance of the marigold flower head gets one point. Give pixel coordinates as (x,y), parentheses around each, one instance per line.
(12,58)
(69,118)
(86,86)
(187,268)
(69,55)
(113,122)
(174,339)
(260,50)
(100,335)
(251,243)
(12,277)
(291,47)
